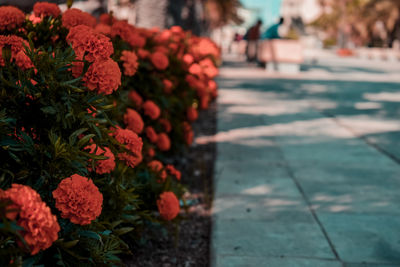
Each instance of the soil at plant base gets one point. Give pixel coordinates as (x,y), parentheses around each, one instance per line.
(190,245)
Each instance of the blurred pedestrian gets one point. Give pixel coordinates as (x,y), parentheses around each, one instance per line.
(234,45)
(273,31)
(252,36)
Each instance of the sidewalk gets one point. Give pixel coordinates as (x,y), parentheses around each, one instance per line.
(303,177)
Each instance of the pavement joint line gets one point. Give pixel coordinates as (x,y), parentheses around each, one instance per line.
(364,139)
(312,258)
(324,232)
(309,205)
(282,257)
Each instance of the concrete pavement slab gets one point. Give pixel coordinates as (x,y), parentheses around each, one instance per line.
(241,261)
(252,149)
(250,237)
(267,208)
(369,238)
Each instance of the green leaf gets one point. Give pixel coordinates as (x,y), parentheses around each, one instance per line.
(85,140)
(116,223)
(106,232)
(70,244)
(12,226)
(123,230)
(90,234)
(29,262)
(112,257)
(71,81)
(49,110)
(74,135)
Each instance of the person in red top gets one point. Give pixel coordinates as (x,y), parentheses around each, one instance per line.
(252,36)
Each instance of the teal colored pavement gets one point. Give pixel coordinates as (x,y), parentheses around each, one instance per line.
(307,170)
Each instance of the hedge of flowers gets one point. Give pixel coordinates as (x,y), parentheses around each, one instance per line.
(91,114)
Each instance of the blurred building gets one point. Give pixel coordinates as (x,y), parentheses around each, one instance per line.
(299,13)
(307,10)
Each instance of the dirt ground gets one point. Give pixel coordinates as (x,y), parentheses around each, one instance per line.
(189,245)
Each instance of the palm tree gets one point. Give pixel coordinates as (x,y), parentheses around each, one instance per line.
(222,12)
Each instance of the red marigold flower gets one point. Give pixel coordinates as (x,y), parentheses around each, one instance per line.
(177,29)
(151,152)
(194,82)
(192,114)
(174,47)
(167,86)
(14,42)
(133,121)
(208,68)
(78,199)
(103,29)
(77,68)
(23,61)
(130,160)
(163,37)
(122,29)
(201,47)
(166,124)
(204,101)
(106,165)
(86,42)
(130,139)
(157,167)
(106,19)
(74,17)
(40,225)
(135,98)
(136,40)
(92,110)
(161,49)
(159,60)
(188,59)
(163,142)
(46,9)
(131,63)
(195,69)
(34,19)
(212,86)
(128,33)
(188,134)
(104,76)
(168,205)
(151,109)
(143,53)
(151,134)
(174,172)
(10,17)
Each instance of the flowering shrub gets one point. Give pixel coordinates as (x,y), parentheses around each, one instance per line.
(105,104)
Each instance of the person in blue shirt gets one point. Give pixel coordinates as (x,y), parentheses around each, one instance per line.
(273,31)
